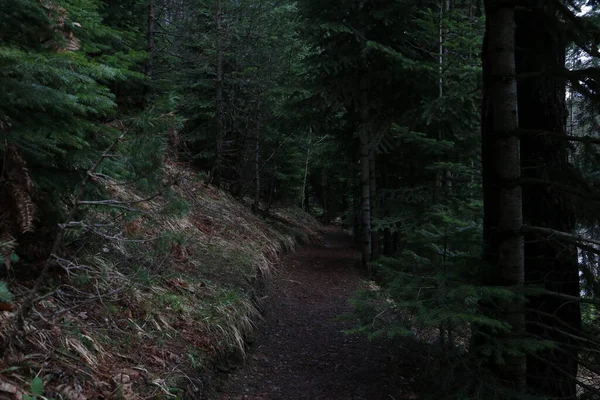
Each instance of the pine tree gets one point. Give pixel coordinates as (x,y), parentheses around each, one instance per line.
(503,218)
(548,263)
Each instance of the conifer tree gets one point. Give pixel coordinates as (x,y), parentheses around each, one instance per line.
(503,202)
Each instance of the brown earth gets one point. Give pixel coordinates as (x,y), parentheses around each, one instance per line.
(301,351)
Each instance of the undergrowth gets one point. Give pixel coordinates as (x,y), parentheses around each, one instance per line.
(145,301)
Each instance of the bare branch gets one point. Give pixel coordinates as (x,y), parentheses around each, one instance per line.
(558,234)
(535,132)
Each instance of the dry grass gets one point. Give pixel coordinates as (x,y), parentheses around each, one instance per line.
(141,304)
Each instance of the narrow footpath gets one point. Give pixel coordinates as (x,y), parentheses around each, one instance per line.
(300,351)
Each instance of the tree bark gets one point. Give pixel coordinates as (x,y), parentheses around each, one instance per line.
(365,150)
(373,203)
(150,39)
(304,198)
(551,263)
(356,228)
(503,218)
(257,168)
(325,185)
(215,176)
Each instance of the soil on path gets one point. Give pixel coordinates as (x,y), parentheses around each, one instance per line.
(300,351)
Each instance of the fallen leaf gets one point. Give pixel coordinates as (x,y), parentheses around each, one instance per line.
(8,388)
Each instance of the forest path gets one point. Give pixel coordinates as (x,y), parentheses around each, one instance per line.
(300,351)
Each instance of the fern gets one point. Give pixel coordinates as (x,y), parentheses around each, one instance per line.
(5,295)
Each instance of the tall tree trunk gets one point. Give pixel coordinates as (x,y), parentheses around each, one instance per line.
(438,180)
(387,242)
(356,221)
(215,177)
(549,263)
(365,135)
(150,34)
(325,185)
(365,183)
(304,196)
(396,239)
(272,186)
(503,218)
(373,203)
(257,168)
(150,45)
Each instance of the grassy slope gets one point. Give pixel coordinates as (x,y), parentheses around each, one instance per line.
(145,308)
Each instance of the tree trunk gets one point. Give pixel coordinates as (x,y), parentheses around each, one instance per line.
(150,45)
(387,242)
(272,186)
(503,218)
(365,183)
(150,39)
(396,240)
(373,203)
(356,217)
(304,198)
(257,168)
(439,174)
(215,176)
(549,263)
(325,185)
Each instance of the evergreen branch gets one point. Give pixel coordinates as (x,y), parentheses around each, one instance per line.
(579,27)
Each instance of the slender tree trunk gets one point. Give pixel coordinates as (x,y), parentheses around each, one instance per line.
(436,260)
(307,199)
(257,169)
(365,183)
(503,218)
(396,239)
(365,135)
(356,220)
(150,45)
(387,242)
(272,186)
(304,198)
(215,177)
(150,39)
(549,263)
(439,175)
(325,185)
(387,232)
(373,203)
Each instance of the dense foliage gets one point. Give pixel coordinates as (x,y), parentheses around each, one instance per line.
(366,113)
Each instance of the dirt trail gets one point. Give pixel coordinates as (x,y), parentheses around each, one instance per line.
(301,352)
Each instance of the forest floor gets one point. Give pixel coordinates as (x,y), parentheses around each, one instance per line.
(301,352)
